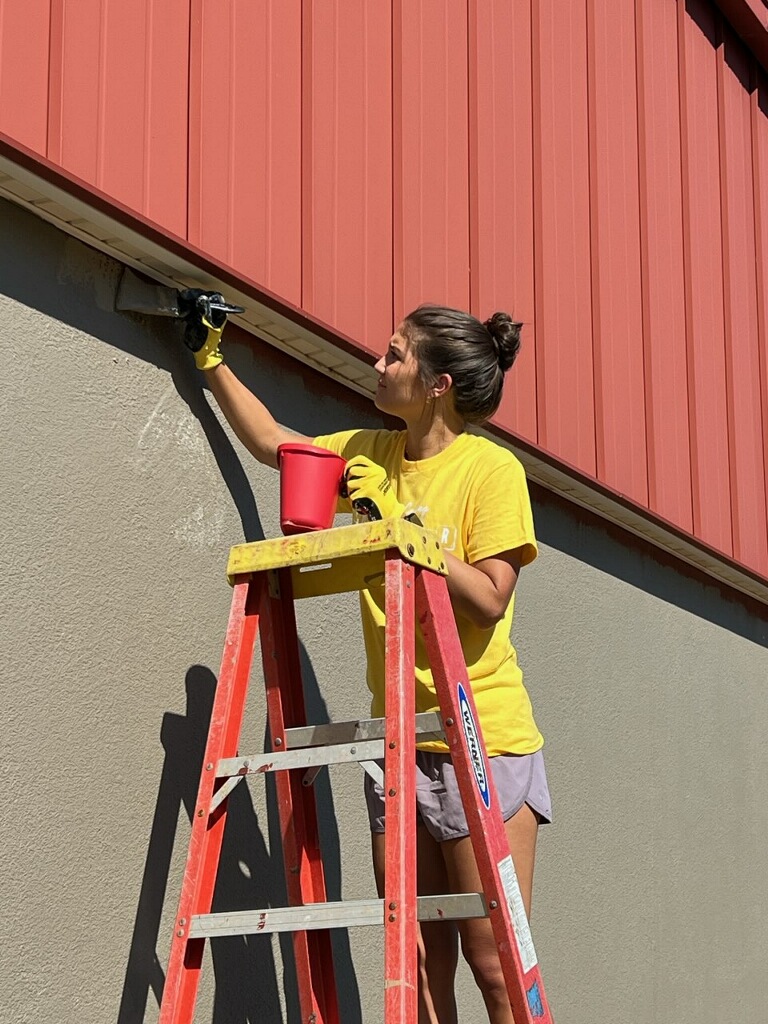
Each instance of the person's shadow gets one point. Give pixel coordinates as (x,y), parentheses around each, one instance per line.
(235,959)
(246,981)
(249,876)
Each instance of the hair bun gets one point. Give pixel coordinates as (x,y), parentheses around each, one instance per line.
(505,334)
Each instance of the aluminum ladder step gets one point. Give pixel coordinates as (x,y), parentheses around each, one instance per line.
(429,725)
(313,746)
(347,914)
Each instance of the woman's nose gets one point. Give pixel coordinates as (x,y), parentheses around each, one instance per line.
(380,366)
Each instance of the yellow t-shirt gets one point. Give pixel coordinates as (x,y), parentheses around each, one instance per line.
(474,497)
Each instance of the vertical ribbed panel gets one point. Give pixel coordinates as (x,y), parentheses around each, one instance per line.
(501,186)
(661,254)
(347,215)
(118,101)
(245,138)
(620,428)
(76,87)
(599,169)
(759,123)
(164,131)
(566,404)
(431,199)
(704,276)
(745,427)
(24,42)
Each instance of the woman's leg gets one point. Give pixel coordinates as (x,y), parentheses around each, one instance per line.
(438,946)
(440,938)
(477,941)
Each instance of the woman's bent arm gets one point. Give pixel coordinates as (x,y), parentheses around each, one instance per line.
(481,592)
(250,419)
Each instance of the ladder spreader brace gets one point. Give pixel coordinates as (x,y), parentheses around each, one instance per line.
(267,576)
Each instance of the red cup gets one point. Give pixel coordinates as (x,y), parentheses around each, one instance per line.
(310,480)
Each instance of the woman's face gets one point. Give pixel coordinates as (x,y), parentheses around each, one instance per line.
(400,391)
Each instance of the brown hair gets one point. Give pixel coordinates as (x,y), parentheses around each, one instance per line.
(476,355)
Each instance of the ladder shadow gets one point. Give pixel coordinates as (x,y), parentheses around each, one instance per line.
(250,877)
(347,987)
(230,468)
(244,967)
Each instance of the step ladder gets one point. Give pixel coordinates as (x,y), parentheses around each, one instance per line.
(267,577)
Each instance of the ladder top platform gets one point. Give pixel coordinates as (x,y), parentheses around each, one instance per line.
(344,558)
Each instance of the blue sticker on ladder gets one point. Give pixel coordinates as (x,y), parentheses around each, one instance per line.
(475,749)
(535,1004)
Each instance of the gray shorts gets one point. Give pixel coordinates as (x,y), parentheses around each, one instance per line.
(519,779)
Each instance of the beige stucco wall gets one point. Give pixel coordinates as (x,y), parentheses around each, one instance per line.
(121,494)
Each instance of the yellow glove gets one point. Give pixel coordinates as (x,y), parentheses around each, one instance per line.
(210,354)
(205,314)
(369,490)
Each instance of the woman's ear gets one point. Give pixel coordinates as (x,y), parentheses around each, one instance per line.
(442,386)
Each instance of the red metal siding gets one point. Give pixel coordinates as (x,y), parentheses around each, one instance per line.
(565,372)
(620,428)
(118,101)
(661,257)
(24,43)
(430,154)
(745,427)
(245,146)
(598,168)
(347,215)
(501,185)
(759,124)
(704,277)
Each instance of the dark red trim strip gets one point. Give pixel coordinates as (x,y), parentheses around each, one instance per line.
(749,19)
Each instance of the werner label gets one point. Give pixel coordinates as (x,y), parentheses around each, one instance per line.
(475,750)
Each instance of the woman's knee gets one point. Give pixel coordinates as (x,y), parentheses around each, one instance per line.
(483,960)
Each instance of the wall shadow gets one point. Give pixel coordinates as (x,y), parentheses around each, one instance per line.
(716,28)
(247,987)
(593,540)
(70,282)
(346,979)
(230,468)
(246,869)
(249,877)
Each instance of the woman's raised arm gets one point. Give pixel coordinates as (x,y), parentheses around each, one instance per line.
(250,419)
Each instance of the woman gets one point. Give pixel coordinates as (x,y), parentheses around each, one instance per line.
(443,370)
